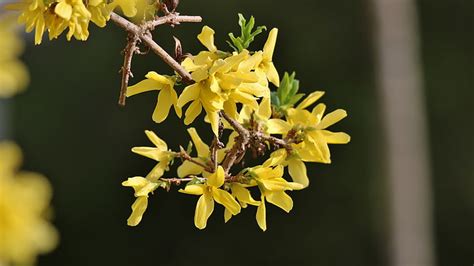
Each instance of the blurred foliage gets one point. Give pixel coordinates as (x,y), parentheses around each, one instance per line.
(72,130)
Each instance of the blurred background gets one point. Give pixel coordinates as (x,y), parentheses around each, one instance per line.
(72,130)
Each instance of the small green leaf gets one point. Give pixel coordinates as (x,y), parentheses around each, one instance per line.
(247,34)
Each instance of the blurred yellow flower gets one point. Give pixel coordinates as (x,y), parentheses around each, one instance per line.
(25,230)
(13,74)
(210,192)
(166,98)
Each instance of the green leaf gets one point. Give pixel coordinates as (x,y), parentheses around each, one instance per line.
(247,34)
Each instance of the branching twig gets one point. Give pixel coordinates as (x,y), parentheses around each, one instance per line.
(143,33)
(185,156)
(128,53)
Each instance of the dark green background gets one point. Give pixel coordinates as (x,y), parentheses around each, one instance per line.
(72,130)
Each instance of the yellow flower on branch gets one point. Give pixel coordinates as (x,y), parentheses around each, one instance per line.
(243,196)
(166,98)
(32,15)
(267,66)
(272,186)
(311,127)
(25,230)
(210,192)
(142,187)
(222,81)
(159,153)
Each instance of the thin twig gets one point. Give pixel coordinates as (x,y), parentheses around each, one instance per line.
(143,33)
(177,181)
(185,156)
(129,51)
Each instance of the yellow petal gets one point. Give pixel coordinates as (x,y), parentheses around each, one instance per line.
(163,106)
(335,137)
(204,209)
(243,195)
(138,209)
(158,171)
(189,93)
(214,120)
(10,157)
(272,74)
(159,78)
(144,86)
(201,147)
(217,178)
(269,46)
(276,158)
(64,10)
(261,215)
(136,183)
(310,99)
(277,126)
(227,200)
(297,170)
(197,189)
(159,143)
(265,109)
(192,112)
(245,98)
(332,118)
(188,168)
(280,199)
(152,153)
(227,215)
(206,37)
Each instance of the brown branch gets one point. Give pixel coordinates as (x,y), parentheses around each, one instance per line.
(172,19)
(143,33)
(185,156)
(129,51)
(236,154)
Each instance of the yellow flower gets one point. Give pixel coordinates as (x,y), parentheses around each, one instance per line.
(267,66)
(243,196)
(146,10)
(210,192)
(77,17)
(13,74)
(24,204)
(188,168)
(99,12)
(312,127)
(272,187)
(159,153)
(142,187)
(222,81)
(166,98)
(32,15)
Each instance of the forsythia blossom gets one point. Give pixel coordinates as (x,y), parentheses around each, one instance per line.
(233,88)
(56,16)
(25,230)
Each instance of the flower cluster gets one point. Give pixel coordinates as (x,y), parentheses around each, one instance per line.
(24,211)
(56,16)
(13,74)
(234,90)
